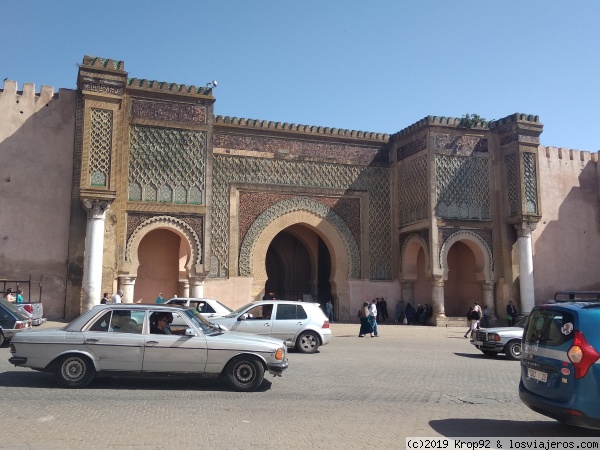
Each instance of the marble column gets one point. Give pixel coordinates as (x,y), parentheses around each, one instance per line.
(196,287)
(94,249)
(526,286)
(437,298)
(127,285)
(487,298)
(408,292)
(184,288)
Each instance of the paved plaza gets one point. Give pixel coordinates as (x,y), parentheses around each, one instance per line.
(355,393)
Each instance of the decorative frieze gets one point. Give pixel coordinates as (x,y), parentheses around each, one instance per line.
(296,149)
(530,182)
(411,148)
(413,192)
(100,147)
(168,112)
(505,140)
(102,88)
(461,144)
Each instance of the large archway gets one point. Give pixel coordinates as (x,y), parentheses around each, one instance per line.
(308,228)
(298,266)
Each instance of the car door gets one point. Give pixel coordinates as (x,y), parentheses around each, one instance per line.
(116,340)
(256,320)
(289,320)
(176,353)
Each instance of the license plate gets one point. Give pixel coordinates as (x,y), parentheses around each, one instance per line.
(537,375)
(478,343)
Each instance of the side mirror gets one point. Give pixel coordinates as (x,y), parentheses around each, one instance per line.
(189,332)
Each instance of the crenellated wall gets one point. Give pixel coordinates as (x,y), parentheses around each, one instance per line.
(36,166)
(566,241)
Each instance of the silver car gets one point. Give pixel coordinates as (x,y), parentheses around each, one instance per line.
(299,324)
(119,339)
(208,307)
(507,340)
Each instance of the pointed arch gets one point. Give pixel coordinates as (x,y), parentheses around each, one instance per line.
(483,254)
(408,257)
(189,237)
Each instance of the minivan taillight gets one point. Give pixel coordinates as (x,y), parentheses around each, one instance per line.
(582,355)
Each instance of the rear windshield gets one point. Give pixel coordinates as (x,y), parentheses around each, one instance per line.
(549,327)
(16,312)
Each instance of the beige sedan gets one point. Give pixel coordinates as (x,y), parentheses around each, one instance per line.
(123,339)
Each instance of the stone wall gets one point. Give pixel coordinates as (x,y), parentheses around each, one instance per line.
(566,242)
(36,167)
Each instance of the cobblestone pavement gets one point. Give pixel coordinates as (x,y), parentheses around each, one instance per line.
(355,393)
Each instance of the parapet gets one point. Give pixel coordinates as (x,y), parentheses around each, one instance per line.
(168,88)
(304,129)
(103,63)
(27,99)
(553,153)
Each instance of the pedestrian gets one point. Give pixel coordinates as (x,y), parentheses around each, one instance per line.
(329,310)
(118,297)
(104,300)
(399,311)
(409,314)
(9,296)
(383,306)
(511,313)
(19,295)
(373,318)
(160,299)
(477,313)
(469,321)
(485,317)
(363,315)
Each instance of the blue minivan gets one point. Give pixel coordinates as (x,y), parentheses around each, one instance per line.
(560,367)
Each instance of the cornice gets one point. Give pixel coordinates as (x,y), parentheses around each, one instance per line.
(297,129)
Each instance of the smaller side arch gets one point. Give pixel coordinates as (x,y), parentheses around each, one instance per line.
(408,257)
(189,236)
(480,249)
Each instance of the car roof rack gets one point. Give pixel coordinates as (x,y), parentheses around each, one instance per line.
(577,296)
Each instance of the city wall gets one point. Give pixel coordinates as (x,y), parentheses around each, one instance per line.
(566,241)
(36,166)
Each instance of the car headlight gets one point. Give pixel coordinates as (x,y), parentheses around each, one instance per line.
(494,337)
(279,354)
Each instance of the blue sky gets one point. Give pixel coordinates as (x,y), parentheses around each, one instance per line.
(365,65)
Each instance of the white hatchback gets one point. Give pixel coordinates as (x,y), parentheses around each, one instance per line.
(301,325)
(208,307)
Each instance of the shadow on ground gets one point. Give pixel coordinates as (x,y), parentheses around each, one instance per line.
(507,428)
(42,380)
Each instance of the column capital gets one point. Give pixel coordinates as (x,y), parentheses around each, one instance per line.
(437,281)
(95,208)
(524,229)
(487,285)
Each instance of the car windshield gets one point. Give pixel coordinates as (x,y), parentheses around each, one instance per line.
(239,310)
(20,315)
(199,320)
(521,323)
(224,306)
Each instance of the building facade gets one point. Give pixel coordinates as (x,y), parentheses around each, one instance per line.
(133,184)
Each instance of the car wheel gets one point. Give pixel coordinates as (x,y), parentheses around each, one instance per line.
(308,342)
(488,353)
(513,350)
(74,371)
(244,373)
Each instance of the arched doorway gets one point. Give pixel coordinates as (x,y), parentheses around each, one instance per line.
(298,264)
(160,262)
(461,288)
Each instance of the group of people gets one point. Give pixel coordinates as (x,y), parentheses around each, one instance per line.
(117,298)
(368,319)
(410,316)
(10,296)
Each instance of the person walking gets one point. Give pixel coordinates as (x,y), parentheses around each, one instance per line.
(104,299)
(363,315)
(469,321)
(383,306)
(511,314)
(373,318)
(329,310)
(477,314)
(118,297)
